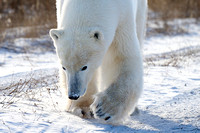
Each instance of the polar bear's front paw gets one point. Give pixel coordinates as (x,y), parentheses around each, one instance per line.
(82,112)
(107,109)
(101,113)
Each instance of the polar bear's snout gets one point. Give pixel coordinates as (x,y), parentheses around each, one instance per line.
(73,91)
(75,88)
(74,97)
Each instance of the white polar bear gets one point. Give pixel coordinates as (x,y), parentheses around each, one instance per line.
(98,43)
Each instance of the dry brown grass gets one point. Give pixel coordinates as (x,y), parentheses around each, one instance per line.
(169,9)
(33,18)
(26,87)
(176,58)
(27,13)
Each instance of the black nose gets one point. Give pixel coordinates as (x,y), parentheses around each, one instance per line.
(73,97)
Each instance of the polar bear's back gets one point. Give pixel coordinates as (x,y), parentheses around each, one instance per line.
(115,6)
(93,8)
(80,11)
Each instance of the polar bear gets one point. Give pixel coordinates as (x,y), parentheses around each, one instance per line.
(98,43)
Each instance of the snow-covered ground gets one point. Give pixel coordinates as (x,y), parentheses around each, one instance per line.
(30,100)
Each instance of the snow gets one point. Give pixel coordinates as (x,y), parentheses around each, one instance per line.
(31,101)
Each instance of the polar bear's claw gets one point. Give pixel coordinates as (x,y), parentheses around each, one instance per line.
(99,113)
(107,118)
(83,112)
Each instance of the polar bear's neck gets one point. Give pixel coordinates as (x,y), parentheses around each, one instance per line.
(79,13)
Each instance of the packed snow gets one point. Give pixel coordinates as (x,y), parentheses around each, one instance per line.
(31,101)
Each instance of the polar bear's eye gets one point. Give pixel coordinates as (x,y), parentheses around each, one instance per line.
(84,68)
(96,35)
(63,68)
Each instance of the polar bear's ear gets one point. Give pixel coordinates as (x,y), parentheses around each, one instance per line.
(56,33)
(96,34)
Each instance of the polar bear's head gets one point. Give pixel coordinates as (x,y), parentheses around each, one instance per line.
(80,53)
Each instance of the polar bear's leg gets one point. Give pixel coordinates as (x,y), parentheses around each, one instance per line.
(141,18)
(122,78)
(119,99)
(80,107)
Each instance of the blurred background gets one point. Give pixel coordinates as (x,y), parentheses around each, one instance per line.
(33,18)
(27,12)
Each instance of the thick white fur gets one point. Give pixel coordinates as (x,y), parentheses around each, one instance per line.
(114,79)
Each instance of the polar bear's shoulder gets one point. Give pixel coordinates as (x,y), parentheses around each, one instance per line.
(59,6)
